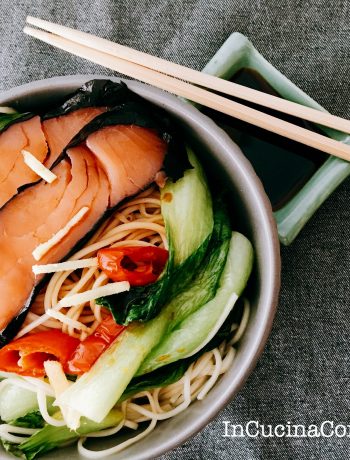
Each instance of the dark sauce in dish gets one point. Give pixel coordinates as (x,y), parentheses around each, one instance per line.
(283,166)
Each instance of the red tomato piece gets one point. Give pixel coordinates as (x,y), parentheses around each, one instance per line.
(140,265)
(90,349)
(26,356)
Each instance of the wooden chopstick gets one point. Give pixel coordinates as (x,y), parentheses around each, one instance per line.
(197,94)
(193,76)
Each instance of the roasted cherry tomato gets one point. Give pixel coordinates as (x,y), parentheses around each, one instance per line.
(90,349)
(26,356)
(139,265)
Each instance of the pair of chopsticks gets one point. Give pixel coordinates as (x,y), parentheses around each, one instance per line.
(174,78)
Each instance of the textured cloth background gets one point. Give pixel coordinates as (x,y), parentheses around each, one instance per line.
(303,375)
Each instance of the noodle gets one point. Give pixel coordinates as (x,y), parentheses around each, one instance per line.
(6,430)
(167,402)
(162,403)
(215,375)
(28,383)
(243,325)
(137,223)
(42,402)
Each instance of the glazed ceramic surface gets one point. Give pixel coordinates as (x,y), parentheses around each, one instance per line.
(238,53)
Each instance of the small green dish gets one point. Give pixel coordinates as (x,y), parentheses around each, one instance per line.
(238,53)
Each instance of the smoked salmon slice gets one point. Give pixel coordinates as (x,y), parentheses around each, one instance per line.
(45,137)
(14,173)
(60,130)
(127,162)
(40,211)
(43,140)
(108,165)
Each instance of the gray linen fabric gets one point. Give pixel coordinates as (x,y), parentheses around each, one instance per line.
(303,375)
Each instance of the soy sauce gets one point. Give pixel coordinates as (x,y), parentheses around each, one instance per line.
(283,166)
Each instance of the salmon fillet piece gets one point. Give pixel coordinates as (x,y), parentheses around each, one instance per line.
(60,130)
(112,164)
(129,155)
(45,140)
(39,212)
(14,173)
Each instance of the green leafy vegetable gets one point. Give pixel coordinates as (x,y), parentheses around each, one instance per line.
(205,279)
(16,402)
(201,314)
(186,204)
(106,381)
(8,119)
(198,328)
(31,420)
(141,303)
(50,437)
(12,448)
(173,372)
(187,211)
(168,375)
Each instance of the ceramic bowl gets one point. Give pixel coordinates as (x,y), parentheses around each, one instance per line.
(252,216)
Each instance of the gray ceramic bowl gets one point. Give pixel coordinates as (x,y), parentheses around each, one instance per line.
(253,216)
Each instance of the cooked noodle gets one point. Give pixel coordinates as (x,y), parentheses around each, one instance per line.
(166,402)
(161,403)
(137,223)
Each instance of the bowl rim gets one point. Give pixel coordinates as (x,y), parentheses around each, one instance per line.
(232,157)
